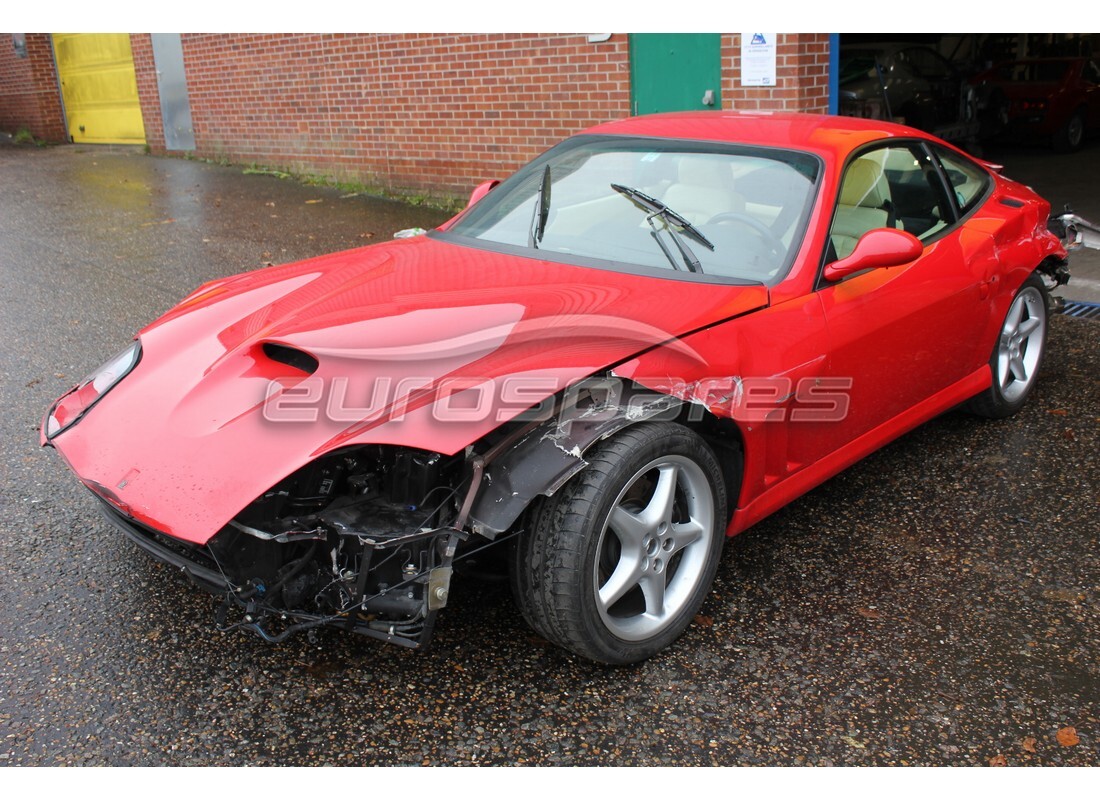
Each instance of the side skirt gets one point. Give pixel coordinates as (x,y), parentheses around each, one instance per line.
(817,473)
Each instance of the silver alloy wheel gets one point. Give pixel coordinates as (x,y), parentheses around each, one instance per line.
(1075,130)
(1021,343)
(653,550)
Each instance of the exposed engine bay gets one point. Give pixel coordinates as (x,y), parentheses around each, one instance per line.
(366,538)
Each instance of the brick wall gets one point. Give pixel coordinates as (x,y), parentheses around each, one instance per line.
(419,112)
(29,95)
(425,112)
(802,75)
(141,45)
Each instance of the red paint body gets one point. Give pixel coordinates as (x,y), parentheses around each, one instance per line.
(1042,106)
(182,444)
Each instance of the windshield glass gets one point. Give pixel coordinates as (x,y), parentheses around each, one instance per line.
(707,209)
(1034,71)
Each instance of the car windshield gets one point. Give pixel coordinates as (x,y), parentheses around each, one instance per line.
(856,65)
(1034,71)
(700,209)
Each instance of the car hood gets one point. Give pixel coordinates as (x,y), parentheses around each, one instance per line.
(422,343)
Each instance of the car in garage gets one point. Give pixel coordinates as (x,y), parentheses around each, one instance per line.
(913,84)
(1053,100)
(646,340)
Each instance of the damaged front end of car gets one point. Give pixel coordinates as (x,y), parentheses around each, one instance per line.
(363,539)
(367,538)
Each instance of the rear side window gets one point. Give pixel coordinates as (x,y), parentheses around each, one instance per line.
(969,182)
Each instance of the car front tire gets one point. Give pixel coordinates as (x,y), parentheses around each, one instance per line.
(616,565)
(1018,353)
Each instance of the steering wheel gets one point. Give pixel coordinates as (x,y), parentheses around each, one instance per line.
(770,239)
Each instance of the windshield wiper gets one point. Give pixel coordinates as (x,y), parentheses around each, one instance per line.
(672,222)
(542,211)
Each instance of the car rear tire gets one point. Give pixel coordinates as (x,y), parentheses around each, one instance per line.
(1018,353)
(1071,136)
(616,564)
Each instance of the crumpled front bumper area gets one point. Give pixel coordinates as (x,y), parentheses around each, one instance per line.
(194,561)
(387,580)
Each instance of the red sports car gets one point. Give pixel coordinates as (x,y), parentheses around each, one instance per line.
(649,338)
(1056,99)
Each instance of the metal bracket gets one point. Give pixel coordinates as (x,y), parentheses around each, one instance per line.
(1079,232)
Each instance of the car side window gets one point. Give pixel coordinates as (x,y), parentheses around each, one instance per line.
(889,187)
(1092,72)
(969,182)
(928,64)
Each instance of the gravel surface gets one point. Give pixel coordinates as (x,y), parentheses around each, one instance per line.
(936,604)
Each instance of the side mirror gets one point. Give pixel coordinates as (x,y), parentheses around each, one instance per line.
(480,191)
(881,247)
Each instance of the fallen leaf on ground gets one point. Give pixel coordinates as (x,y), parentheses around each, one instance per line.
(1058,412)
(1029,744)
(1067,737)
(314,201)
(704,621)
(869,613)
(1062,595)
(998,761)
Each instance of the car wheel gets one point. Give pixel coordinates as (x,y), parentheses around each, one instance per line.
(616,564)
(1072,134)
(1018,353)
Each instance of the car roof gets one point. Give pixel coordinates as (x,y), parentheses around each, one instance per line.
(819,133)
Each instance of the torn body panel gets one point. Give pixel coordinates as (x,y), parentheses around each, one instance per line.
(546,454)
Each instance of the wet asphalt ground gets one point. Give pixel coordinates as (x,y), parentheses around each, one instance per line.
(936,604)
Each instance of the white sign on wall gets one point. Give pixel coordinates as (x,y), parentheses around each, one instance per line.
(758,59)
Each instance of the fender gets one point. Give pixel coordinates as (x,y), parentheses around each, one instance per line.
(538,458)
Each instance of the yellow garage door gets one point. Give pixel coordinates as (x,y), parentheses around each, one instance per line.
(99,87)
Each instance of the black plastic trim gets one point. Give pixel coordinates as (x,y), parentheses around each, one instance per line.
(146,538)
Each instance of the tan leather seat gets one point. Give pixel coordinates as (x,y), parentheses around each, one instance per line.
(704,188)
(864,197)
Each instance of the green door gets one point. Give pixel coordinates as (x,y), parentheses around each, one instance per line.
(675,72)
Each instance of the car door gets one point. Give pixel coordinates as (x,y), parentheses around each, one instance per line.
(901,334)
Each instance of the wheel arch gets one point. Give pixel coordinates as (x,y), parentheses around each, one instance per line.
(536,458)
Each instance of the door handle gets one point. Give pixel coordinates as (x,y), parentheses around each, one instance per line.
(708,97)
